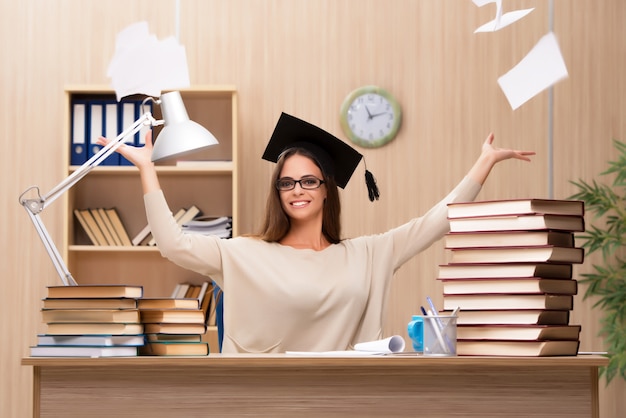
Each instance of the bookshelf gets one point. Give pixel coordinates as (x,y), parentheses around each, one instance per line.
(209,182)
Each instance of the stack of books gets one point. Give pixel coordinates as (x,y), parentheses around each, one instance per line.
(90,321)
(510,272)
(175,326)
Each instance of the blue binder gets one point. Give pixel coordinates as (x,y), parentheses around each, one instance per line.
(111,128)
(140,139)
(129,112)
(97,123)
(78,147)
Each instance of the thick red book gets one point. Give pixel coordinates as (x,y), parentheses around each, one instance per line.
(517,348)
(506,301)
(532,254)
(514,316)
(518,332)
(510,285)
(516,206)
(505,270)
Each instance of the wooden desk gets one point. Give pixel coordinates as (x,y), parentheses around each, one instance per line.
(282,386)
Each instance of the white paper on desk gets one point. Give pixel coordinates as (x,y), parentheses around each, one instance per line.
(142,64)
(393,344)
(540,69)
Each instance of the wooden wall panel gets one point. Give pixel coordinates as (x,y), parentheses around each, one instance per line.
(303,57)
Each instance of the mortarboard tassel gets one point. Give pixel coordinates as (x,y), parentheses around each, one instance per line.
(372,189)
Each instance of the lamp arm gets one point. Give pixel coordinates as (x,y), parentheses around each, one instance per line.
(34,206)
(98,158)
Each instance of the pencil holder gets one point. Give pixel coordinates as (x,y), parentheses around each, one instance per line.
(440,335)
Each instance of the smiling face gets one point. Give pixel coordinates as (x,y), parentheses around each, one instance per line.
(302,204)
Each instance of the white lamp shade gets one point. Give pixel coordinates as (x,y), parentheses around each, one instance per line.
(179,135)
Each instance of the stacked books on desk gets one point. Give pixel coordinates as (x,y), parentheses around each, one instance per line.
(175,326)
(510,273)
(90,321)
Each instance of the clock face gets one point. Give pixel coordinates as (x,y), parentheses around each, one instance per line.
(370,117)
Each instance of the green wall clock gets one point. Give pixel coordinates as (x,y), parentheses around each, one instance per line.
(370,116)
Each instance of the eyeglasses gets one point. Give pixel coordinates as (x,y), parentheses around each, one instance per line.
(307,183)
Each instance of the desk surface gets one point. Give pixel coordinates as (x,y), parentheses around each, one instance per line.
(283,360)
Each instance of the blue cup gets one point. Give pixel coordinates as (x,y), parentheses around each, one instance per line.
(415,330)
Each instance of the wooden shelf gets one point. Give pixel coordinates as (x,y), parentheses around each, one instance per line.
(207,179)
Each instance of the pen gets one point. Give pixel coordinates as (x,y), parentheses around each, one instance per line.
(438,332)
(441,327)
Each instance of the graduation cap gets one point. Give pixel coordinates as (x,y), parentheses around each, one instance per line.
(336,158)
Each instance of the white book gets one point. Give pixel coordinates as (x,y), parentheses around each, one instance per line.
(85,351)
(90,340)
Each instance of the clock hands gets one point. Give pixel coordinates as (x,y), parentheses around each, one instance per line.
(371,116)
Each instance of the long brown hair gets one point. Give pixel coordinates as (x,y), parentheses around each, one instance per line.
(276,223)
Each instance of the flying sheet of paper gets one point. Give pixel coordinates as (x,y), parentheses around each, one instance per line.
(501,20)
(541,68)
(142,64)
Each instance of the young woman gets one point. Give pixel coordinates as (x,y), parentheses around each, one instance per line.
(298,285)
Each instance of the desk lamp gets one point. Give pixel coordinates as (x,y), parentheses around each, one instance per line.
(179,136)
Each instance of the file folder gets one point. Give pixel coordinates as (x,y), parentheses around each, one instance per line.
(78,149)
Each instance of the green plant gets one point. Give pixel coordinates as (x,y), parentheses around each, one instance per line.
(608,235)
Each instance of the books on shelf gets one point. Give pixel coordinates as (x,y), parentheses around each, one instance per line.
(511,285)
(90,226)
(508,301)
(175,348)
(518,223)
(513,316)
(529,254)
(103,226)
(182,216)
(517,348)
(118,226)
(508,239)
(518,332)
(516,207)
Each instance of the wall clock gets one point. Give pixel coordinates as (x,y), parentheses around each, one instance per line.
(370,116)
